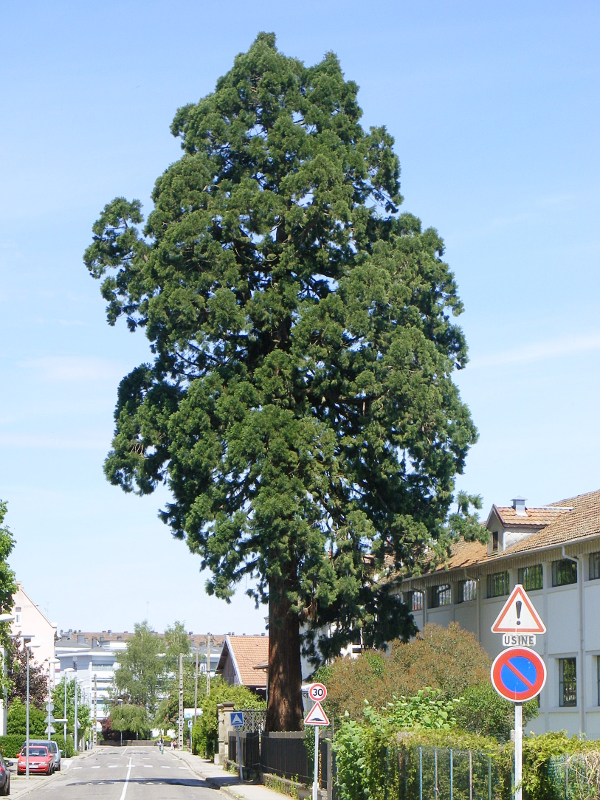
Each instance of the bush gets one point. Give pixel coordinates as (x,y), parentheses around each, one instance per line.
(481,710)
(205,731)
(449,659)
(11,744)
(17,721)
(369,753)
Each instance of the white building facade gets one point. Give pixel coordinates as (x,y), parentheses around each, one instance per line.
(554,552)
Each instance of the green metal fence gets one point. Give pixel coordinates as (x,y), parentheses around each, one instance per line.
(442,773)
(575,777)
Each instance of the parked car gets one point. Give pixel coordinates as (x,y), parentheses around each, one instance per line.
(41,760)
(4,777)
(52,746)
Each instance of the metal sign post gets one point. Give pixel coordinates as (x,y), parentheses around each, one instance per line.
(236,719)
(317,717)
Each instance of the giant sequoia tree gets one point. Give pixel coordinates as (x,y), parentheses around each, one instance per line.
(299,404)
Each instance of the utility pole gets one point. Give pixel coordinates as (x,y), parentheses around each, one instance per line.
(75,723)
(180,737)
(95,732)
(207,664)
(65,714)
(196,689)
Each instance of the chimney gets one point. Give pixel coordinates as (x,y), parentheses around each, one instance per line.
(519,506)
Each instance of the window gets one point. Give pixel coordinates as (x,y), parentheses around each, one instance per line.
(531,577)
(495,539)
(441,595)
(564,572)
(467,590)
(567,682)
(416,601)
(498,584)
(594,572)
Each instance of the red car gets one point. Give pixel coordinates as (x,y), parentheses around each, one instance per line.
(41,760)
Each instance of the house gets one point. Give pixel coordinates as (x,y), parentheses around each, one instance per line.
(243,662)
(31,625)
(554,552)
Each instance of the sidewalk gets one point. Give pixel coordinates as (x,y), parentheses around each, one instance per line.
(217,778)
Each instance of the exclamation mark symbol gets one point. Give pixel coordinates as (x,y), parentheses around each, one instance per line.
(518,605)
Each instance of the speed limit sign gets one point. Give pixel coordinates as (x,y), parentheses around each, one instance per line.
(317,692)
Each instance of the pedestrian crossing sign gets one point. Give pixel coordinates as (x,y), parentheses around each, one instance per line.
(237,719)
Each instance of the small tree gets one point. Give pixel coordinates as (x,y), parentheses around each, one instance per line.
(140,676)
(17,676)
(131,720)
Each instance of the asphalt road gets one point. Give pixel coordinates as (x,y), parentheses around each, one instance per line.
(128,773)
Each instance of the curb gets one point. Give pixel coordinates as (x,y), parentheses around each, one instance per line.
(210,782)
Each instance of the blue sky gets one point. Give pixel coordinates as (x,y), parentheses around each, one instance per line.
(494,108)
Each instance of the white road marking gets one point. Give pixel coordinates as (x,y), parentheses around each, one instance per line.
(124,792)
(77,767)
(113,766)
(148,766)
(95,767)
(166,767)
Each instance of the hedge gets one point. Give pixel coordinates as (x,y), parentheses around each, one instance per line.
(11,744)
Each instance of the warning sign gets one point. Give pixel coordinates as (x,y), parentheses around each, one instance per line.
(316,716)
(518,615)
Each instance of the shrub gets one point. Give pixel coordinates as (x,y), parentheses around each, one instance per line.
(11,744)
(481,710)
(205,731)
(449,659)
(17,724)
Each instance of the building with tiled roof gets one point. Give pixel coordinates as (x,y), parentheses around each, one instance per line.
(554,552)
(244,660)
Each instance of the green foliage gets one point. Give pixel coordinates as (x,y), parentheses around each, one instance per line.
(8,587)
(481,710)
(17,676)
(83,711)
(300,403)
(449,659)
(140,676)
(205,731)
(16,722)
(11,744)
(537,752)
(130,719)
(369,753)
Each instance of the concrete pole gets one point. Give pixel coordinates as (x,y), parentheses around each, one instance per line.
(95,732)
(518,751)
(180,736)
(208,665)
(196,689)
(27,719)
(75,731)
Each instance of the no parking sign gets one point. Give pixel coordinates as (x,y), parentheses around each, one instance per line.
(518,674)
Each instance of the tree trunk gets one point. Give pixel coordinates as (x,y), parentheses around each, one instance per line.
(284,707)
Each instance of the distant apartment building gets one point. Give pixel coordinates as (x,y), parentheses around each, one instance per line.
(92,658)
(554,552)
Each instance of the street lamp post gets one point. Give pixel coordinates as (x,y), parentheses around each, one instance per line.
(120,702)
(28,647)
